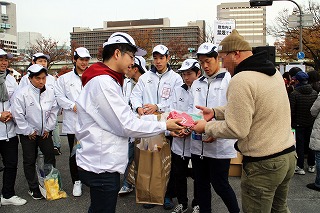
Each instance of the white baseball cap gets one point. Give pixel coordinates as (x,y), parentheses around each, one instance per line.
(163,50)
(36,68)
(188,64)
(82,52)
(206,48)
(2,52)
(141,62)
(40,55)
(124,38)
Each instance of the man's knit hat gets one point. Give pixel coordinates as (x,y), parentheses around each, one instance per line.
(234,42)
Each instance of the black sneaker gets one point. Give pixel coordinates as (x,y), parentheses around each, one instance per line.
(56,151)
(35,194)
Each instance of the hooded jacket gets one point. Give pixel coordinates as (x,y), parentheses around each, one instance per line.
(257,112)
(105,122)
(153,88)
(301,100)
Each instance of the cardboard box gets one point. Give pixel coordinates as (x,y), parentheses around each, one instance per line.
(235,170)
(236,166)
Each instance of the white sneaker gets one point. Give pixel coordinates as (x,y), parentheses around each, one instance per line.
(196,209)
(299,171)
(179,209)
(125,190)
(14,200)
(77,191)
(311,169)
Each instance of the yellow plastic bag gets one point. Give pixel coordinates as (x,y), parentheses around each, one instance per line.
(52,185)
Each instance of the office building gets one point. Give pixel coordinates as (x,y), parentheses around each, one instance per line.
(27,39)
(153,31)
(8,27)
(250,21)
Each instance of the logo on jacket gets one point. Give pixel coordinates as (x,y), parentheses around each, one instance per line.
(198,89)
(149,81)
(72,85)
(181,99)
(31,104)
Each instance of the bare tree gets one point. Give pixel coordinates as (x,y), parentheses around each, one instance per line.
(288,45)
(51,48)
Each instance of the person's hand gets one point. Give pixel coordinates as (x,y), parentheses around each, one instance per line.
(5,116)
(150,108)
(45,135)
(178,134)
(75,109)
(174,125)
(208,113)
(199,126)
(209,139)
(33,136)
(140,111)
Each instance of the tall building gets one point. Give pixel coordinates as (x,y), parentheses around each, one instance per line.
(250,21)
(8,27)
(27,39)
(158,30)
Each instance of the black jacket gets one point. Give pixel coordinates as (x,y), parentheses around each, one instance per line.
(301,100)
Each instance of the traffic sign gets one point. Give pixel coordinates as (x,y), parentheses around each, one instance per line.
(300,55)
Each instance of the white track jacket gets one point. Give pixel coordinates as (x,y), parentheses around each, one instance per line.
(105,122)
(7,130)
(212,95)
(34,110)
(67,90)
(154,89)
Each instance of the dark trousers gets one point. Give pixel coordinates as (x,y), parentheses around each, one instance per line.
(179,168)
(9,153)
(30,153)
(302,145)
(104,188)
(215,172)
(72,159)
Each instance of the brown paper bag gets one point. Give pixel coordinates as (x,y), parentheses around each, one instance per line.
(153,172)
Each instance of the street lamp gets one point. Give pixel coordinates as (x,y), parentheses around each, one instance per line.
(257,3)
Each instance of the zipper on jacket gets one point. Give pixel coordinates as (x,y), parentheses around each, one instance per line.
(5,124)
(184,145)
(41,114)
(158,90)
(201,156)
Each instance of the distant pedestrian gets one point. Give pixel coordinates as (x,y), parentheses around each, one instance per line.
(315,143)
(301,100)
(314,80)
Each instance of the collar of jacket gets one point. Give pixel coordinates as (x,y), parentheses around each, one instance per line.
(154,69)
(184,86)
(37,90)
(220,75)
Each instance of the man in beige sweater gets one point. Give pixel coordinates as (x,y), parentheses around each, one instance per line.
(258,115)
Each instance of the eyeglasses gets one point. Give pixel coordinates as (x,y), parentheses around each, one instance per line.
(130,55)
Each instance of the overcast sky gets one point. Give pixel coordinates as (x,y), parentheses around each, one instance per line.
(56,18)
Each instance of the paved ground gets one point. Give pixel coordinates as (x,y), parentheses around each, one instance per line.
(301,199)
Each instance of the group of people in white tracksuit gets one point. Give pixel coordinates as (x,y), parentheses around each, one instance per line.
(31,113)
